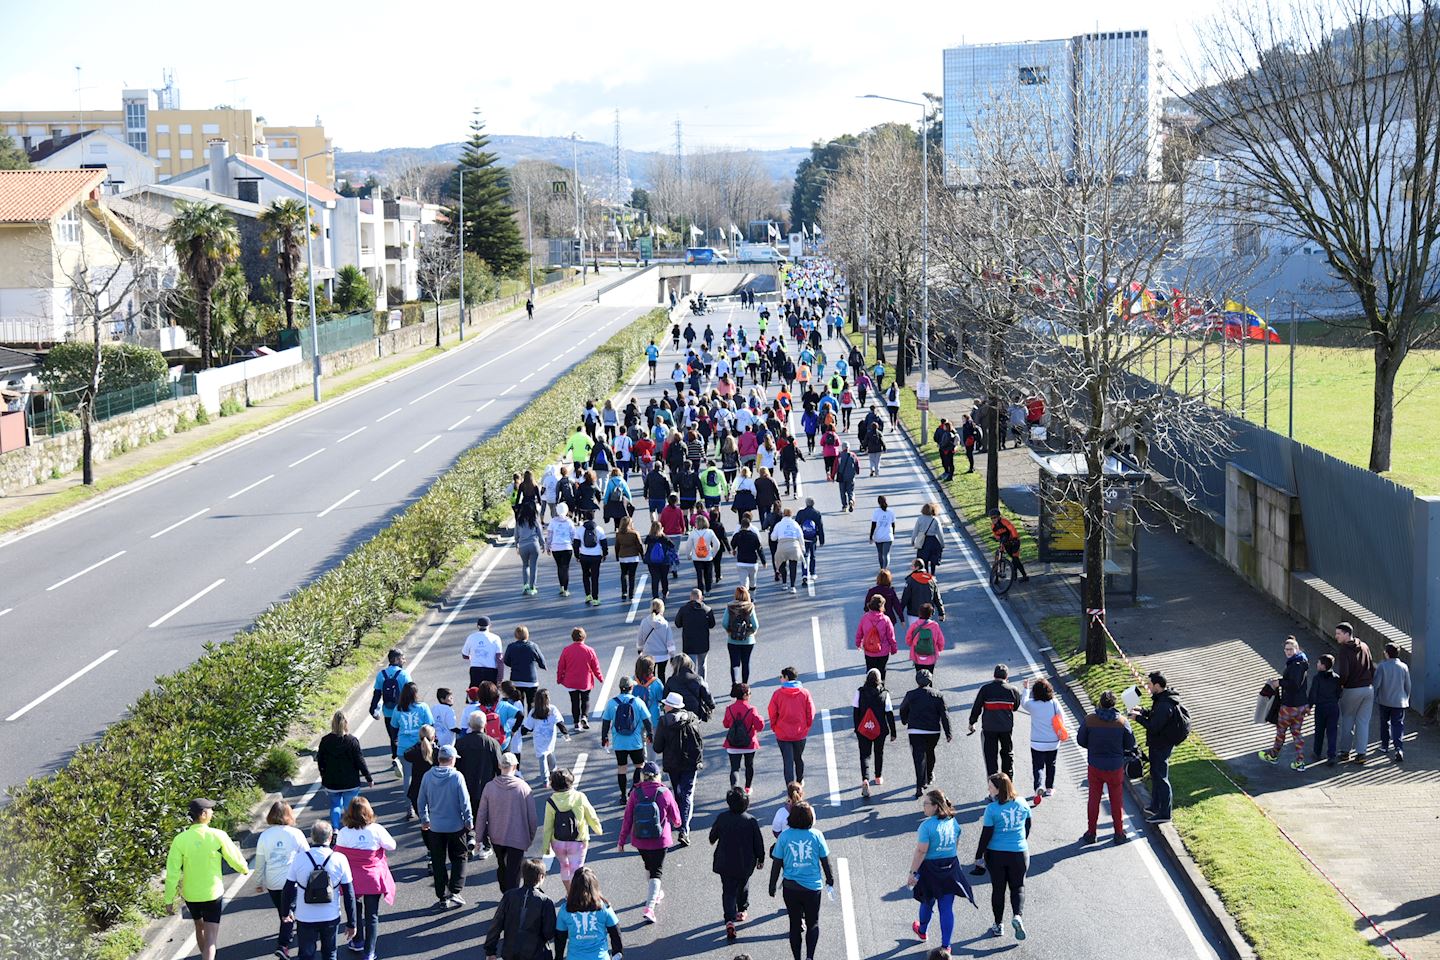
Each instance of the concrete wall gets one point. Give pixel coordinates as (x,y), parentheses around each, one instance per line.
(250,381)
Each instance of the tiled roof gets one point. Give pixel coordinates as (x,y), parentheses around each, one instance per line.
(276,172)
(29,196)
(48,148)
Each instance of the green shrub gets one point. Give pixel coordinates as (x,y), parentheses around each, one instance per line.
(202,416)
(64,421)
(230,406)
(278,765)
(183,423)
(67,366)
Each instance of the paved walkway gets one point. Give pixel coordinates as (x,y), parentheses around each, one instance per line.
(1218,640)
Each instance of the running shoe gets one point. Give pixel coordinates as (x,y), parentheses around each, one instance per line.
(995,930)
(1019,926)
(920,933)
(1268,757)
(648,915)
(1298,764)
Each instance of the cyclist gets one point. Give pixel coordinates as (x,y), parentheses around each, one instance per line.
(1007,536)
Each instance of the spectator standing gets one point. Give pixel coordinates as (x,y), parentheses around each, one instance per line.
(995,705)
(1392,696)
(1167,724)
(1357,694)
(1294,705)
(1324,698)
(1107,740)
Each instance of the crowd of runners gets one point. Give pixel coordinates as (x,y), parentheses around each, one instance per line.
(701,480)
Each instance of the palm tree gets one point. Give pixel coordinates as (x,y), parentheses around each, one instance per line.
(284,235)
(205,241)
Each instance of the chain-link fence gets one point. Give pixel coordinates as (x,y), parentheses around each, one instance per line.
(60,412)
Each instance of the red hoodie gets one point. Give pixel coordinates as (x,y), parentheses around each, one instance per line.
(578,668)
(792,712)
(672,520)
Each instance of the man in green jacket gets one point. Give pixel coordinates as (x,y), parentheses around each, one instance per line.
(579,447)
(194,868)
(712,484)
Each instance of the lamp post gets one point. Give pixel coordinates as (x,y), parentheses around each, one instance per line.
(579,226)
(460,234)
(310,272)
(530,241)
(922,390)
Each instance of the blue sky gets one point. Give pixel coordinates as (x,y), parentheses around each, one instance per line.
(386,74)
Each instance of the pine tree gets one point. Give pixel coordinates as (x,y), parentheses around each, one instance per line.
(491,228)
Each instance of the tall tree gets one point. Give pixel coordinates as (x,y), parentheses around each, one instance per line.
(206,241)
(283,224)
(813,177)
(12,155)
(491,229)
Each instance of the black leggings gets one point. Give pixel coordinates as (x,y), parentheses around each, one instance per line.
(803,906)
(627,578)
(562,568)
(704,575)
(792,756)
(736,759)
(1007,872)
(877,663)
(659,579)
(654,861)
(740,660)
(867,747)
(579,705)
(590,575)
(1043,760)
(922,751)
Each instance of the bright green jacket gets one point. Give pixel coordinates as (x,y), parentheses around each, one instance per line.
(719,488)
(194,867)
(580,446)
(578,804)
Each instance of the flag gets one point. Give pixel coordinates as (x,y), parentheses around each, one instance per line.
(772,232)
(813,231)
(735,231)
(1243,323)
(696,231)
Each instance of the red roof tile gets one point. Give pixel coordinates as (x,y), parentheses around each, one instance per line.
(272,169)
(29,196)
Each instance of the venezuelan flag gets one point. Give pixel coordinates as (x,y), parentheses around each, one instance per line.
(1243,323)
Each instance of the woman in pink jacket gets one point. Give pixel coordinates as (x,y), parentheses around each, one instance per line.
(577,672)
(364,843)
(791,714)
(875,635)
(925,639)
(651,817)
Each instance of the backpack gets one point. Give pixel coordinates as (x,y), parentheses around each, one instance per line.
(869,726)
(692,748)
(624,722)
(702,548)
(873,645)
(390,687)
(1178,726)
(645,822)
(925,641)
(494,729)
(738,736)
(740,629)
(565,827)
(590,539)
(712,478)
(808,529)
(318,888)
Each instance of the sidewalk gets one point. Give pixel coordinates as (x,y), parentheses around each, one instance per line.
(1217,640)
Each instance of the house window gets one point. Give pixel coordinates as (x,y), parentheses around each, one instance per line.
(210,128)
(1033,76)
(138,139)
(184,129)
(70,226)
(187,154)
(163,153)
(162,128)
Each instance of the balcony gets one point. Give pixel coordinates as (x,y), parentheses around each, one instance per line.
(392,252)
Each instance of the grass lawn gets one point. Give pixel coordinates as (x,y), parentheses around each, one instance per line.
(1283,908)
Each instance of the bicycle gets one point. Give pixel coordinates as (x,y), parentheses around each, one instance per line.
(1002,571)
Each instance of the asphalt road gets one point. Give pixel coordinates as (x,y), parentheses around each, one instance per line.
(1081,903)
(96,607)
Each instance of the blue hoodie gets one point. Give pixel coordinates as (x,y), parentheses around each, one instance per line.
(1106,738)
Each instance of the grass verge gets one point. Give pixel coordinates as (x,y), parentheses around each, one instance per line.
(1281,906)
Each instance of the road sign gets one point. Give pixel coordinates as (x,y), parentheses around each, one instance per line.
(922,403)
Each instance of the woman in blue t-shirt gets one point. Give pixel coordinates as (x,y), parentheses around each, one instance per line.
(585,924)
(1004,849)
(411,713)
(935,874)
(802,857)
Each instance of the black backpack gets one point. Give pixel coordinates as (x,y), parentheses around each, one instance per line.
(624,716)
(566,826)
(590,539)
(318,888)
(645,822)
(738,736)
(1177,728)
(390,686)
(692,747)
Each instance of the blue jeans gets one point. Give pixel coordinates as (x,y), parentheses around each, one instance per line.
(339,800)
(810,556)
(1327,730)
(683,786)
(1160,795)
(1392,727)
(847,491)
(325,933)
(947,916)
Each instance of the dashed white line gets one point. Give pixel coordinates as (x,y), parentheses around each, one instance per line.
(307,457)
(819,651)
(187,603)
(603,697)
(274,545)
(832,769)
(5,611)
(352,493)
(60,686)
(425,444)
(558,357)
(77,576)
(847,909)
(527,376)
(251,487)
(507,389)
(460,421)
(389,415)
(484,405)
(387,470)
(349,435)
(639,591)
(544,365)
(161,533)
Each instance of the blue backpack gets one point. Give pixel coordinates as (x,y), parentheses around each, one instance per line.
(390,686)
(624,716)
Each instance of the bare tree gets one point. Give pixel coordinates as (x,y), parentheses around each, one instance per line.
(408,175)
(437,267)
(1327,120)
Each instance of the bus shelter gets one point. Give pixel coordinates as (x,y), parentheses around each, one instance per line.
(1062,516)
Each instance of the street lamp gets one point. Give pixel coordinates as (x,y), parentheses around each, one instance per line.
(922,391)
(461,234)
(310,270)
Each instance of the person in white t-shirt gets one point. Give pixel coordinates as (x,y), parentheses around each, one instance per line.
(882,531)
(484,651)
(274,851)
(320,921)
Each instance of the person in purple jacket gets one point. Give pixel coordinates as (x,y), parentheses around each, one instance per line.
(651,817)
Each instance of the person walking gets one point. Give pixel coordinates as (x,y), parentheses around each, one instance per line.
(846,469)
(743,724)
(420,758)
(524,661)
(389,681)
(1357,694)
(1167,724)
(882,530)
(1324,698)
(920,588)
(945,441)
(691,687)
(925,640)
(445,817)
(703,546)
(935,878)
(928,538)
(411,714)
(560,536)
(661,558)
(885,590)
(812,529)
(925,717)
(651,819)
(792,713)
(739,853)
(995,705)
(1004,851)
(478,755)
(1294,692)
(591,547)
(626,718)
(276,847)
(875,635)
(483,650)
(578,671)
(1047,732)
(341,762)
(874,718)
(529,544)
(193,868)
(1108,741)
(543,720)
(366,845)
(655,639)
(524,923)
(507,816)
(585,926)
(681,749)
(695,620)
(749,552)
(801,857)
(1392,697)
(629,550)
(788,549)
(570,820)
(740,625)
(325,880)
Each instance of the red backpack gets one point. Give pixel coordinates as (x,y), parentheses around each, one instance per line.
(493,728)
(873,645)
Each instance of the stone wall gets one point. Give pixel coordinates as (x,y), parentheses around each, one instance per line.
(62,454)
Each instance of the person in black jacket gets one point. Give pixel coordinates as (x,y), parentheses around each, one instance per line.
(479,757)
(691,686)
(739,852)
(925,717)
(873,701)
(524,660)
(657,491)
(1160,741)
(945,441)
(342,766)
(1324,698)
(995,705)
(695,620)
(524,923)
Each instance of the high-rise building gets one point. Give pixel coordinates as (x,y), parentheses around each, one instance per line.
(1063,97)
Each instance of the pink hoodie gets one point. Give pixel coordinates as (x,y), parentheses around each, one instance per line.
(877,622)
(939,641)
(578,668)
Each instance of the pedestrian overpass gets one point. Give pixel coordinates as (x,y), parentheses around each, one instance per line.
(677,277)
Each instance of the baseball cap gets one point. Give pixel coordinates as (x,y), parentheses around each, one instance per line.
(482,622)
(447,752)
(651,768)
(199,805)
(509,760)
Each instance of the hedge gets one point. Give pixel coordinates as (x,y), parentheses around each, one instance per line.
(83,845)
(67,366)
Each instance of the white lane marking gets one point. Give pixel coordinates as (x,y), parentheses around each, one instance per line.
(350,434)
(458,422)
(507,389)
(847,909)
(60,686)
(603,697)
(640,584)
(389,415)
(161,533)
(425,444)
(5,611)
(527,376)
(484,405)
(251,487)
(77,576)
(275,544)
(175,610)
(544,365)
(337,503)
(1172,899)
(819,651)
(306,457)
(445,624)
(558,357)
(387,469)
(832,769)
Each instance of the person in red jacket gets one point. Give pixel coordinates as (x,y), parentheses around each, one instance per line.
(875,635)
(743,724)
(577,672)
(791,714)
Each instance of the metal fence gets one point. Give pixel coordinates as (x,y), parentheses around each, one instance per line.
(60,414)
(334,335)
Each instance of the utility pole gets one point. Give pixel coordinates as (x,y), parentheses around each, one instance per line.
(460,235)
(530,241)
(680,180)
(579,226)
(615,204)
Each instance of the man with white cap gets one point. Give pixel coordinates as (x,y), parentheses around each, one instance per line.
(444,808)
(681,750)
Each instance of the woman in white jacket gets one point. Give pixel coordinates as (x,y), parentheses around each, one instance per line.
(655,639)
(560,537)
(277,846)
(1046,724)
